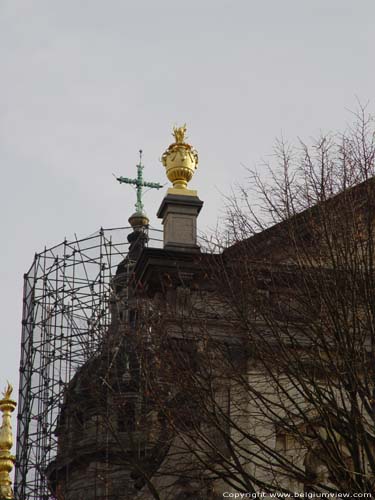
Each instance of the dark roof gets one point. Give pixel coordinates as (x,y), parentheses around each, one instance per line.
(362,194)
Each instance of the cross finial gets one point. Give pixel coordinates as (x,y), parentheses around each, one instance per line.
(139,183)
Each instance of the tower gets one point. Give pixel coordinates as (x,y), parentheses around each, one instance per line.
(87,427)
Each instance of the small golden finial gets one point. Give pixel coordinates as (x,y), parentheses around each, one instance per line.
(179,134)
(7,406)
(8,391)
(180,161)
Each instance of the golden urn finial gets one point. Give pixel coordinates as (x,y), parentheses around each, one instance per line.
(7,406)
(180,161)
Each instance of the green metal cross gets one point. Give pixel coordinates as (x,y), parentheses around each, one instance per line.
(139,183)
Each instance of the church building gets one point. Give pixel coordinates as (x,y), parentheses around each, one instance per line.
(156,369)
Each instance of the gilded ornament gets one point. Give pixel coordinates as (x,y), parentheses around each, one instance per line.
(8,391)
(7,406)
(180,161)
(179,134)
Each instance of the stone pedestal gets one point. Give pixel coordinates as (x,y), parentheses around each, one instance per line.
(179,217)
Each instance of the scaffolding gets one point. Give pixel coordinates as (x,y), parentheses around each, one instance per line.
(66,317)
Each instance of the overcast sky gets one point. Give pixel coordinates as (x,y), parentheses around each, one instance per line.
(86,84)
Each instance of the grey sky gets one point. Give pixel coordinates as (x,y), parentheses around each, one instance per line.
(85,84)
